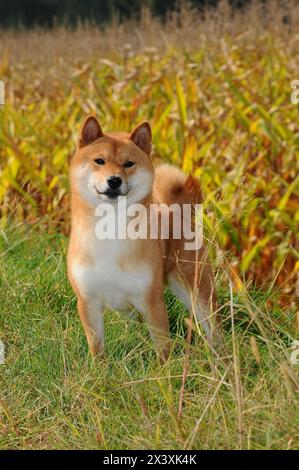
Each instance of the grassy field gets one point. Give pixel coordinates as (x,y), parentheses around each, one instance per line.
(53,396)
(217,93)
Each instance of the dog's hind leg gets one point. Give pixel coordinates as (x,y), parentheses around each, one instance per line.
(198,297)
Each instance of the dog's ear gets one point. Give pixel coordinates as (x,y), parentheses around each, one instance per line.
(90,131)
(142,136)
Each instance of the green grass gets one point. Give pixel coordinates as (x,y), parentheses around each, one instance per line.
(53,396)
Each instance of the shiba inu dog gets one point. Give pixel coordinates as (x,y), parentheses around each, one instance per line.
(122,273)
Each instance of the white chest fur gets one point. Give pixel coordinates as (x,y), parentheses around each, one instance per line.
(105,280)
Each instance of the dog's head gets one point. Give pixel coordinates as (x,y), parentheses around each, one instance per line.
(112,165)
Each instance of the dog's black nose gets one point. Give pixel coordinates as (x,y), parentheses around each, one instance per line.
(114,182)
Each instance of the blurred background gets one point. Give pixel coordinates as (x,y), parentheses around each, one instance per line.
(30,13)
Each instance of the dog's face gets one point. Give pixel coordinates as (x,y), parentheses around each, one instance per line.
(113,165)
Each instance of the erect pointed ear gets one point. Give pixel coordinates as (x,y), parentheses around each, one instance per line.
(91,131)
(142,136)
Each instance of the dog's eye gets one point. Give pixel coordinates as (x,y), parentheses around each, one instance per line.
(100,161)
(129,164)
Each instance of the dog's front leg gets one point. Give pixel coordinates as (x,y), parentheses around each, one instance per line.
(91,316)
(157,319)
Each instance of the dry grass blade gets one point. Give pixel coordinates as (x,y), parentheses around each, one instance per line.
(237,370)
(189,441)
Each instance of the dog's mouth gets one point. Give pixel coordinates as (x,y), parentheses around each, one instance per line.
(111,193)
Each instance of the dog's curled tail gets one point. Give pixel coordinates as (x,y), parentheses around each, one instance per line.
(172,186)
